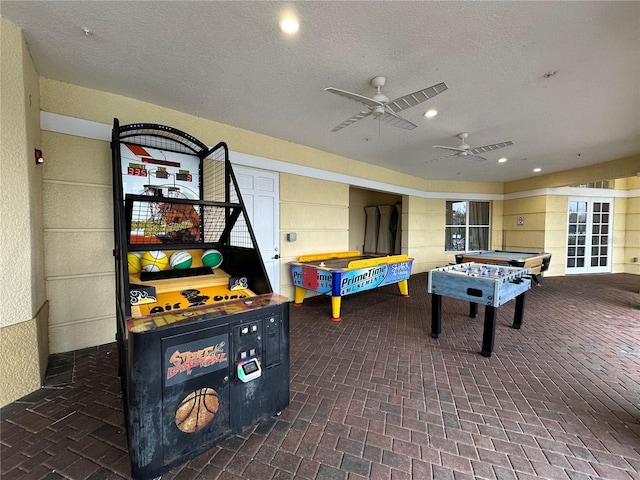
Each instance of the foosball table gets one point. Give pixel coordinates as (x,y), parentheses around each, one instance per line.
(489,285)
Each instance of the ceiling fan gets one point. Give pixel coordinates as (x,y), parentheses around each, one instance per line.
(464,150)
(381,108)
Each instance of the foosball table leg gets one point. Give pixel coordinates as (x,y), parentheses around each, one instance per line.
(473,310)
(519,313)
(436,315)
(489,333)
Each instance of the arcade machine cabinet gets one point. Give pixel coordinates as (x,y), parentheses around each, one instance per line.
(203,347)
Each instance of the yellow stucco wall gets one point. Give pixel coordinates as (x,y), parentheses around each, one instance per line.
(23,309)
(632,227)
(78,213)
(424,219)
(555,227)
(607,170)
(618,238)
(497,225)
(530,235)
(318,211)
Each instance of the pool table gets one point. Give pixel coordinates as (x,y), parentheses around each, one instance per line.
(538,262)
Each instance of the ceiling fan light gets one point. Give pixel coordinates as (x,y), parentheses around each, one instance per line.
(431,113)
(502,160)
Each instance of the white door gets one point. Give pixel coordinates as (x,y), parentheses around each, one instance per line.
(261,195)
(589,229)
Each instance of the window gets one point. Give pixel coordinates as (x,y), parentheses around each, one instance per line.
(598,184)
(467,226)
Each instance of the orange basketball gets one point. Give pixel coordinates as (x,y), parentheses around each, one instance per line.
(197,410)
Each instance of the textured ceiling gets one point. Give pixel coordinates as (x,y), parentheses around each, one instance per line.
(229,62)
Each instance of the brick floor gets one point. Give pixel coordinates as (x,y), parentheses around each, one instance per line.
(374,396)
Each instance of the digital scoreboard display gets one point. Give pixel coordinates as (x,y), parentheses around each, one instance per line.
(146,169)
(136,171)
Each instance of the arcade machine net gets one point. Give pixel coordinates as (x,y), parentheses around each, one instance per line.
(203,341)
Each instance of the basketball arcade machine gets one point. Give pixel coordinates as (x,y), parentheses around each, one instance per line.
(203,349)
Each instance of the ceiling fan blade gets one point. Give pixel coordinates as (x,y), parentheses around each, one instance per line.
(489,148)
(476,158)
(369,102)
(351,120)
(397,121)
(455,149)
(416,98)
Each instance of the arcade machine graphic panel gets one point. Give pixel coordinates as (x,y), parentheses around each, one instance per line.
(203,341)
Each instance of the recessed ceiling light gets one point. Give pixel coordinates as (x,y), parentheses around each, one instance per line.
(537,170)
(289,25)
(502,160)
(431,113)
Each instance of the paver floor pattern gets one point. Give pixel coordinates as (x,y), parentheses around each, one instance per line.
(374,396)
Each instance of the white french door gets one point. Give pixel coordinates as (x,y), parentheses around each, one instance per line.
(589,231)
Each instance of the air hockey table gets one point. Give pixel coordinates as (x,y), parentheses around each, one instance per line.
(538,262)
(343,273)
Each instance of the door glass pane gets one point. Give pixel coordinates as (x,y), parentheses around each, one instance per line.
(580,262)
